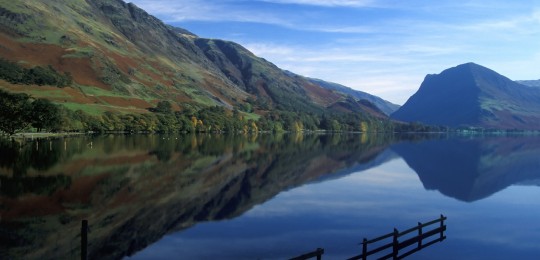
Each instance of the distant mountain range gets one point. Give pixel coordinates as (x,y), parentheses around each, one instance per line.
(123,59)
(472,95)
(530,83)
(385,106)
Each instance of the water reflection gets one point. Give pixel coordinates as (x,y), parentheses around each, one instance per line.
(473,169)
(135,189)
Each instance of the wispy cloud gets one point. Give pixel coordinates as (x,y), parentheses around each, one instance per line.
(339,29)
(392,71)
(236,11)
(527,23)
(212,11)
(269,49)
(386,50)
(330,3)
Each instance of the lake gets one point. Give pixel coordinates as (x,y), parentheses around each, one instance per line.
(267,196)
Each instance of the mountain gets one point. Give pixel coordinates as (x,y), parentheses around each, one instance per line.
(124,60)
(385,106)
(530,83)
(472,95)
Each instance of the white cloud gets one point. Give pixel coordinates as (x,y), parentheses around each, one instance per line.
(385,55)
(198,10)
(393,72)
(270,50)
(235,11)
(336,28)
(330,3)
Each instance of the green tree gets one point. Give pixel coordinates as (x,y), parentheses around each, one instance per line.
(335,126)
(44,115)
(14,112)
(14,73)
(164,107)
(10,71)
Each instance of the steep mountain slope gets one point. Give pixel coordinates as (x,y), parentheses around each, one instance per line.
(472,95)
(385,106)
(124,60)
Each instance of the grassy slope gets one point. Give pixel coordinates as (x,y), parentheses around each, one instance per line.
(102,61)
(123,59)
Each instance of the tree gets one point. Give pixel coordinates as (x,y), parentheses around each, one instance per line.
(44,115)
(14,73)
(164,107)
(335,126)
(364,127)
(14,112)
(194,121)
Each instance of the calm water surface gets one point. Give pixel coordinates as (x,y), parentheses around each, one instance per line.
(267,197)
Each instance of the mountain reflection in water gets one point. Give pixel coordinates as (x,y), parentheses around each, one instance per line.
(473,169)
(135,189)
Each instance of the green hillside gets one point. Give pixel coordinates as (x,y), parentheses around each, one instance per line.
(120,62)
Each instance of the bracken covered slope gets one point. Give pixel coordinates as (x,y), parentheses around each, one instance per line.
(123,59)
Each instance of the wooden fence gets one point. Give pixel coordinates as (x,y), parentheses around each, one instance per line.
(84,239)
(317,253)
(423,232)
(398,245)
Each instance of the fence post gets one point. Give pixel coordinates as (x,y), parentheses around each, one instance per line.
(320,251)
(364,249)
(395,244)
(84,239)
(419,235)
(442,224)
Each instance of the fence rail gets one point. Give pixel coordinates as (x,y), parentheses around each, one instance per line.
(317,253)
(395,244)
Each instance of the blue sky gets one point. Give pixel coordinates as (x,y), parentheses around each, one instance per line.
(383,47)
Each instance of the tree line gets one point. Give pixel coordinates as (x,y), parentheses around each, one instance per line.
(21,112)
(14,73)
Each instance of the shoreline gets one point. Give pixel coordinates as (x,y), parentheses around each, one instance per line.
(31,136)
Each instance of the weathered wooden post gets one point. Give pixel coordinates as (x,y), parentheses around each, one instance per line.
(395,244)
(84,239)
(320,252)
(364,249)
(442,225)
(419,235)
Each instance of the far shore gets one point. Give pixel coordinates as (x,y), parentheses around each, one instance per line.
(462,132)
(43,135)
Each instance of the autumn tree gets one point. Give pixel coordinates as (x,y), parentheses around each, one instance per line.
(364,127)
